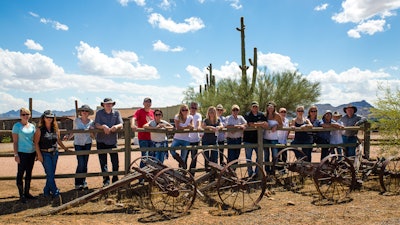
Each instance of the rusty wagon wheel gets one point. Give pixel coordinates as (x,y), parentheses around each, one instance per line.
(238,190)
(141,162)
(389,176)
(335,178)
(172,192)
(206,175)
(291,168)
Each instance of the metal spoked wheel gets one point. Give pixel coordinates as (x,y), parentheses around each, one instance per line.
(172,192)
(335,178)
(205,176)
(389,176)
(239,191)
(289,167)
(141,162)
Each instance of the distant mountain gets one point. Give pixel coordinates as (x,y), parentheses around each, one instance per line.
(363,108)
(15,114)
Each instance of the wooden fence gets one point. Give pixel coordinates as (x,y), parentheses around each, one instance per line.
(127,149)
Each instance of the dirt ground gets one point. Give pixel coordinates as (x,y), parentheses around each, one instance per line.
(366,206)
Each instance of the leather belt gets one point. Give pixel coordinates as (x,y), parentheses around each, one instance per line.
(47,150)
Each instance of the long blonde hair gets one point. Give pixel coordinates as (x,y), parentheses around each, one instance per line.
(180,114)
(215,117)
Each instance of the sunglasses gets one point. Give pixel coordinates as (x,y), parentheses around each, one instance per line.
(236,110)
(193,107)
(25,114)
(313,111)
(282,112)
(158,114)
(255,106)
(184,110)
(300,110)
(220,110)
(84,111)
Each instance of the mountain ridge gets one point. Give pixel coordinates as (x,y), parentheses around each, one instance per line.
(362,106)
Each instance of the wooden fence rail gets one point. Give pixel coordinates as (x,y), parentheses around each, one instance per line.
(128,147)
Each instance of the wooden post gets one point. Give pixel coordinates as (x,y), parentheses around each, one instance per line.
(30,109)
(260,148)
(367,139)
(128,149)
(76,109)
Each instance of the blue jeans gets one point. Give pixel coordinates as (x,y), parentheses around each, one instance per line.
(268,169)
(161,155)
(350,151)
(82,162)
(213,154)
(176,143)
(233,153)
(103,162)
(249,153)
(146,144)
(49,165)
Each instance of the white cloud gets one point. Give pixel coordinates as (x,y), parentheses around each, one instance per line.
(321,7)
(235,4)
(17,65)
(160,46)
(351,85)
(31,44)
(93,61)
(369,27)
(55,24)
(166,4)
(190,25)
(126,56)
(276,62)
(138,2)
(368,15)
(33,14)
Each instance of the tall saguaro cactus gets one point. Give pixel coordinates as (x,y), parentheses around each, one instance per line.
(246,88)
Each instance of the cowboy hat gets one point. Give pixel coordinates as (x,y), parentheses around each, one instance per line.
(350,106)
(86,108)
(107,100)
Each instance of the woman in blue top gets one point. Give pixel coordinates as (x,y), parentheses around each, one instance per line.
(24,152)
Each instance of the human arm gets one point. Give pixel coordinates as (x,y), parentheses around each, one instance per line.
(60,143)
(36,140)
(15,145)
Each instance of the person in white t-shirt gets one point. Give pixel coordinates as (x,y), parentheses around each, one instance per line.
(159,139)
(182,121)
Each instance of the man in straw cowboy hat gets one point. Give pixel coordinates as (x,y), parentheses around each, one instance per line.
(351,119)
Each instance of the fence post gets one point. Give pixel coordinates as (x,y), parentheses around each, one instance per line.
(367,139)
(260,148)
(128,149)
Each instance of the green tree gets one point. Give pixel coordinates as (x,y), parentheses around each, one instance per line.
(286,89)
(386,116)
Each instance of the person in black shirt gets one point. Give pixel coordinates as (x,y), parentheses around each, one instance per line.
(254,118)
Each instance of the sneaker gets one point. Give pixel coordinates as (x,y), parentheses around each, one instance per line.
(57,201)
(84,186)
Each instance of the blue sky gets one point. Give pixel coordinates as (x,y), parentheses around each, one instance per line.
(57,52)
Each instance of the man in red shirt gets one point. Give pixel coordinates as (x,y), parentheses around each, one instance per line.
(140,118)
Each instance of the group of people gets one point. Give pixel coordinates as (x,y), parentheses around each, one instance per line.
(41,142)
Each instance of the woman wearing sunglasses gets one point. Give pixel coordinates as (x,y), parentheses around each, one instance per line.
(24,152)
(159,139)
